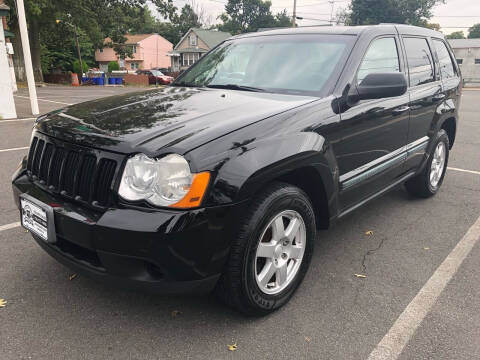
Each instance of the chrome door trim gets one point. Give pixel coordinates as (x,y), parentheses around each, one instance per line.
(376,166)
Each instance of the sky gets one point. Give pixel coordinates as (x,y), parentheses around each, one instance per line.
(455,15)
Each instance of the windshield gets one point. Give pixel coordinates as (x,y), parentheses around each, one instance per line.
(295,64)
(156,73)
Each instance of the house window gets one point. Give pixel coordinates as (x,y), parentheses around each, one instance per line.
(101,50)
(193,40)
(460,61)
(134,66)
(477,61)
(134,49)
(189,59)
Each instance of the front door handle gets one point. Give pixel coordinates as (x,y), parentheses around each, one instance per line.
(438,97)
(400,110)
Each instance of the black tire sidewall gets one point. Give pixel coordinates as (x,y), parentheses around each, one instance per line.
(288,199)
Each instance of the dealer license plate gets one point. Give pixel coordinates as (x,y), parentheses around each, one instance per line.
(34,218)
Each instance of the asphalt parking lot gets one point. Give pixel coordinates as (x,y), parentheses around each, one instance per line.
(54,97)
(334,314)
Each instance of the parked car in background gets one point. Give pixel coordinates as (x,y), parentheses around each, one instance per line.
(156,77)
(162,69)
(222,180)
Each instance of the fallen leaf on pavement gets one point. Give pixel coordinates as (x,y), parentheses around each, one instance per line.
(175,313)
(232,347)
(361,276)
(26,231)
(369,232)
(426,248)
(71,277)
(3,302)
(308,339)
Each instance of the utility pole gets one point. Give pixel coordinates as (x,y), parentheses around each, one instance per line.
(75,32)
(78,51)
(331,12)
(32,91)
(294,19)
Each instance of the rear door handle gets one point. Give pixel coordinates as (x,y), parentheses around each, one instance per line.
(438,97)
(400,110)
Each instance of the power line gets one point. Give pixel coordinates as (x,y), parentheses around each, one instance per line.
(457,16)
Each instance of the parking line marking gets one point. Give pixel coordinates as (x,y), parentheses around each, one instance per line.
(10,226)
(56,102)
(465,171)
(14,120)
(393,343)
(14,149)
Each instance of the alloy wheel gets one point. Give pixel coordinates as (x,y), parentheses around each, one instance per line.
(280,252)
(438,164)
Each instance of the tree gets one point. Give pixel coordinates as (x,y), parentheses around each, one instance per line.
(76,67)
(187,19)
(58,48)
(95,20)
(113,66)
(192,15)
(474,32)
(456,35)
(282,19)
(242,16)
(432,26)
(365,12)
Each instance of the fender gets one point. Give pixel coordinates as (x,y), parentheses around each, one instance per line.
(250,166)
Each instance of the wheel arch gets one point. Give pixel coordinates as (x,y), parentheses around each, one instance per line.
(450,127)
(310,181)
(303,160)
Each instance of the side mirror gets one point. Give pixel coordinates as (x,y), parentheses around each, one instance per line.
(379,85)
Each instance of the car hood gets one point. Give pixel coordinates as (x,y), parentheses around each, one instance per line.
(171,119)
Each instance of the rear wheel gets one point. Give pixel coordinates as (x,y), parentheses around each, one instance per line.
(428,182)
(271,253)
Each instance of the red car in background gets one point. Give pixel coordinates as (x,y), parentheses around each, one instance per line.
(156,77)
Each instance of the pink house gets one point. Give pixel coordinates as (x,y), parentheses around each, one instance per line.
(149,51)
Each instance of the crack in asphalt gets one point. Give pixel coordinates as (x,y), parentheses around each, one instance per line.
(370,252)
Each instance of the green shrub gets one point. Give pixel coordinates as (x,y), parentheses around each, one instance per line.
(113,66)
(76,67)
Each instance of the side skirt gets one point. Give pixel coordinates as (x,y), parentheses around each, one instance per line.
(374,196)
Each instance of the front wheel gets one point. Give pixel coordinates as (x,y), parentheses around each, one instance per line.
(428,182)
(271,253)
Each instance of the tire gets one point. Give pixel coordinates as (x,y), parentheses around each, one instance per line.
(240,286)
(427,184)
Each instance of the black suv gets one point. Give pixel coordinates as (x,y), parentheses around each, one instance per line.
(221,180)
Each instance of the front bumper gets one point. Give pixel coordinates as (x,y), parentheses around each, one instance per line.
(167,251)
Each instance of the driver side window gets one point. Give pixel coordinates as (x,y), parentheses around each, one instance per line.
(381,56)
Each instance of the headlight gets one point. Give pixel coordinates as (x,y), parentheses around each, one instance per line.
(167,181)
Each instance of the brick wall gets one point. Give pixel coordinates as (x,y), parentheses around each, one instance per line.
(136,79)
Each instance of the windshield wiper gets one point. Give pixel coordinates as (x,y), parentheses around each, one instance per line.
(235,87)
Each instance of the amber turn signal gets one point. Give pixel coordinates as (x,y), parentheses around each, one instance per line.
(195,194)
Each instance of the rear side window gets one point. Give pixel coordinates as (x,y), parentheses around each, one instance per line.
(420,63)
(446,66)
(381,56)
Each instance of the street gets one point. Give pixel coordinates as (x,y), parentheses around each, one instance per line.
(334,315)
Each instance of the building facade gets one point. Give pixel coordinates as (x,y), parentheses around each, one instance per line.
(148,51)
(467,53)
(193,45)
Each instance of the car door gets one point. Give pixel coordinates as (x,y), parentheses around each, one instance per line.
(425,91)
(450,76)
(369,146)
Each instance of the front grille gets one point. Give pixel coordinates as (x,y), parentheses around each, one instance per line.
(72,172)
